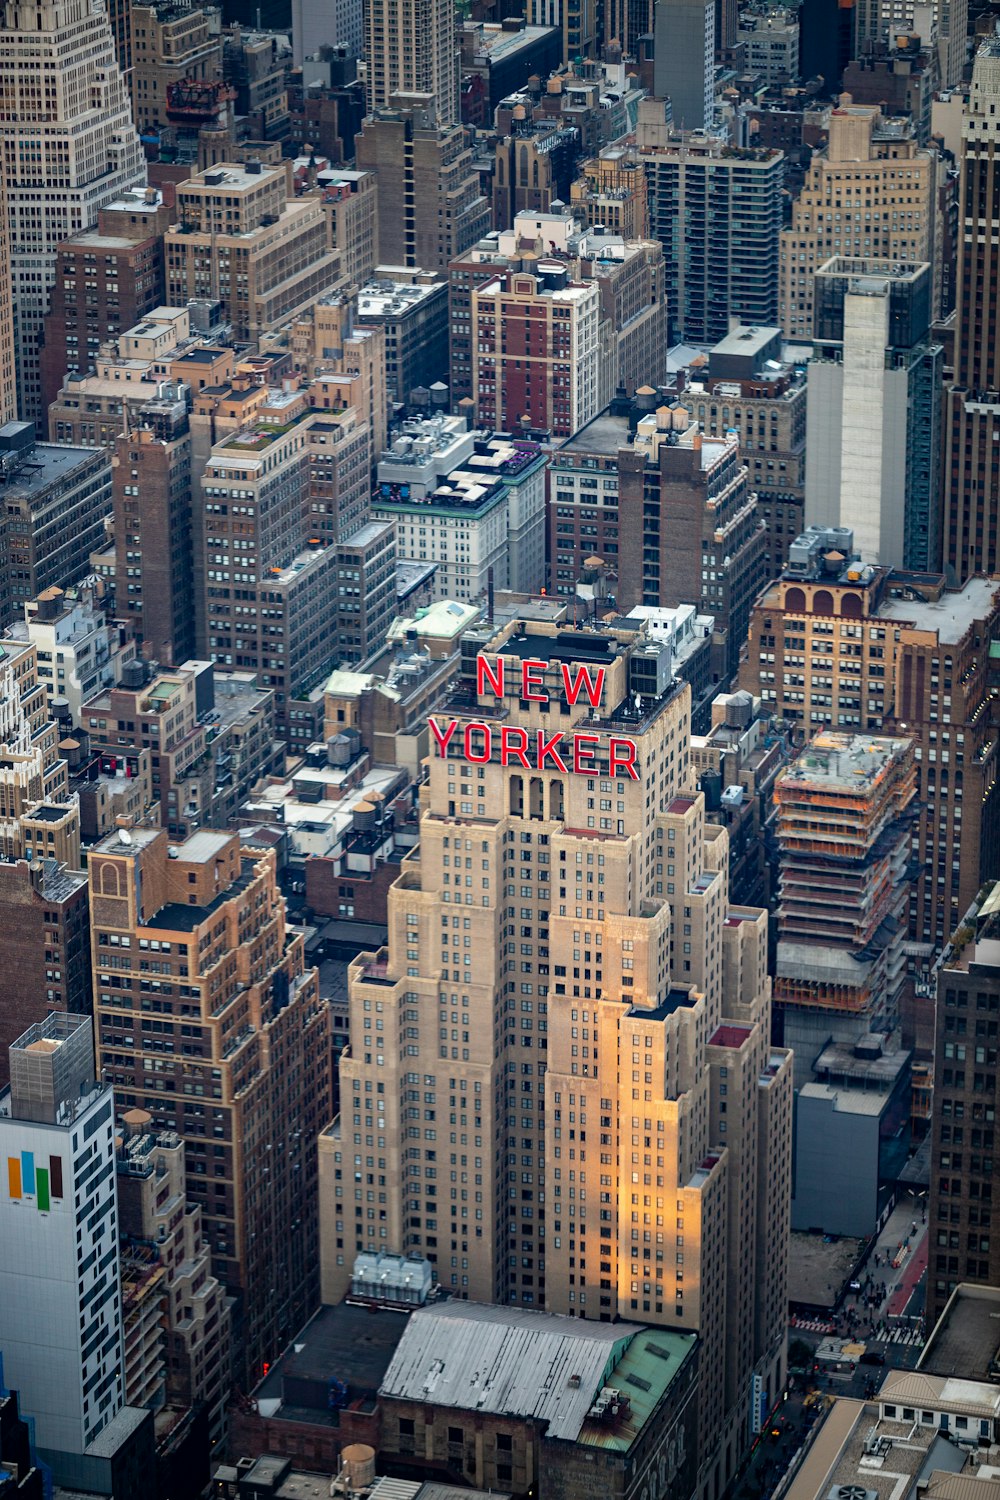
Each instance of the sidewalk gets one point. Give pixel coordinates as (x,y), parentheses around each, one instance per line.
(899,1281)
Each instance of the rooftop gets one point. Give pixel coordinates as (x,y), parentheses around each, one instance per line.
(846,1100)
(730,1036)
(606,433)
(887,1458)
(231,175)
(876,1066)
(532,1364)
(384,298)
(566,646)
(843,761)
(346,1343)
(48,465)
(494,44)
(967,1336)
(446,619)
(203,846)
(673,1001)
(174,917)
(746,340)
(952,616)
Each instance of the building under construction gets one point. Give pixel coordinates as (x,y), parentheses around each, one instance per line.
(845,808)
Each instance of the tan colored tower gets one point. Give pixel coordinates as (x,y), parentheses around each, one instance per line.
(560,1085)
(69,147)
(872,195)
(411,49)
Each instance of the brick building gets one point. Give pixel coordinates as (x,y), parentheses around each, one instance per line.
(689,531)
(154,556)
(539,354)
(240,240)
(44,946)
(105,281)
(236,1059)
(632,1397)
(54,501)
(748,389)
(842,645)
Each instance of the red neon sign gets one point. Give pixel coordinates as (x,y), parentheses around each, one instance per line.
(538,749)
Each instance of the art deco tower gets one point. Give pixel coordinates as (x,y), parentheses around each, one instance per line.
(68,148)
(560,1086)
(972,486)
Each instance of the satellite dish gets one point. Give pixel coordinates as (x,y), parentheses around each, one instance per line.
(124,836)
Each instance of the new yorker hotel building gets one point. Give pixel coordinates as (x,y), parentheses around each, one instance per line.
(560,1085)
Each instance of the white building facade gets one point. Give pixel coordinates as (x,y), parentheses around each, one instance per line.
(60,1296)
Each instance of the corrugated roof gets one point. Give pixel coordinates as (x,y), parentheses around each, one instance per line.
(945,1393)
(961,1487)
(507,1361)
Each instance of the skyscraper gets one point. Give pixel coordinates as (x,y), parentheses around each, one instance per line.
(430,204)
(684,60)
(240,239)
(539,356)
(411,49)
(965,1099)
(844,813)
(69,147)
(688,527)
(914,660)
(891,184)
(154,557)
(60,1299)
(716,210)
(873,460)
(8,381)
(972,484)
(572,1019)
(826,40)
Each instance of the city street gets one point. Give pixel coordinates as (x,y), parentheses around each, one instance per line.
(882,1318)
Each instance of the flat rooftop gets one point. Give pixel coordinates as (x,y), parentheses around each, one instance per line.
(952,616)
(177,918)
(846,1100)
(203,846)
(343,1342)
(843,761)
(886,1458)
(232,175)
(394,299)
(494,45)
(966,1340)
(746,340)
(566,646)
(878,1072)
(49,464)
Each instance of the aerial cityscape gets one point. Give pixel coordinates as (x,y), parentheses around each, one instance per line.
(499,717)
